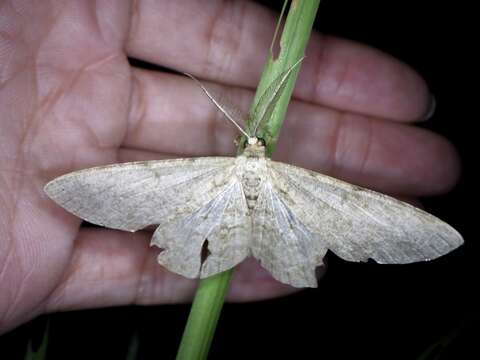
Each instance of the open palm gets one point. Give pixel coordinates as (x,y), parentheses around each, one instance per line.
(69,99)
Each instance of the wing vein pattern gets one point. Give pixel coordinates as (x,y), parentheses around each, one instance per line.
(134,195)
(357,223)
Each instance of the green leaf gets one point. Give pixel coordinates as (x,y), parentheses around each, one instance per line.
(264,109)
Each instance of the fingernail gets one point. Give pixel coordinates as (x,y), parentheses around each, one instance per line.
(431,109)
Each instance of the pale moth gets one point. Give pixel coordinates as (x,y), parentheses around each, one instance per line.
(285,216)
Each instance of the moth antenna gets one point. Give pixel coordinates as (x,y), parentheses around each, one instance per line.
(269,98)
(218,105)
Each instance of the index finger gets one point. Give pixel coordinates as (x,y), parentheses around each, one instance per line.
(229,41)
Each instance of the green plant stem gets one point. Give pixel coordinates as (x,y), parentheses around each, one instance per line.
(211,292)
(293,42)
(203,318)
(41,352)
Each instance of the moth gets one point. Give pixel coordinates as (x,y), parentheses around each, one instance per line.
(285,216)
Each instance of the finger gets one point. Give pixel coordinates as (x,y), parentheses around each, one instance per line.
(171,115)
(115,268)
(389,157)
(229,41)
(128,155)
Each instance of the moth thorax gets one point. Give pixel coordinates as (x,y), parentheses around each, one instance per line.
(251,186)
(252,178)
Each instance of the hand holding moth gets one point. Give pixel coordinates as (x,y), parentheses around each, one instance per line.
(74,102)
(211,213)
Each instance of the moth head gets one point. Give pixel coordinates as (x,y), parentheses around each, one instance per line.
(254,147)
(254,141)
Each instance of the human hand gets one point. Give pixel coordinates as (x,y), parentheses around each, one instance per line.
(70,100)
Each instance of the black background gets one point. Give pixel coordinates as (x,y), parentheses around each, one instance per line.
(359,310)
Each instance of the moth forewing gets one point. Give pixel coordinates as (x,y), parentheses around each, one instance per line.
(359,224)
(132,196)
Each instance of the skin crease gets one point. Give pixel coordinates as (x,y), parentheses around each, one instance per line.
(70,100)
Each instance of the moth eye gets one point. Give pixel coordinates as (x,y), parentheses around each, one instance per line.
(262,142)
